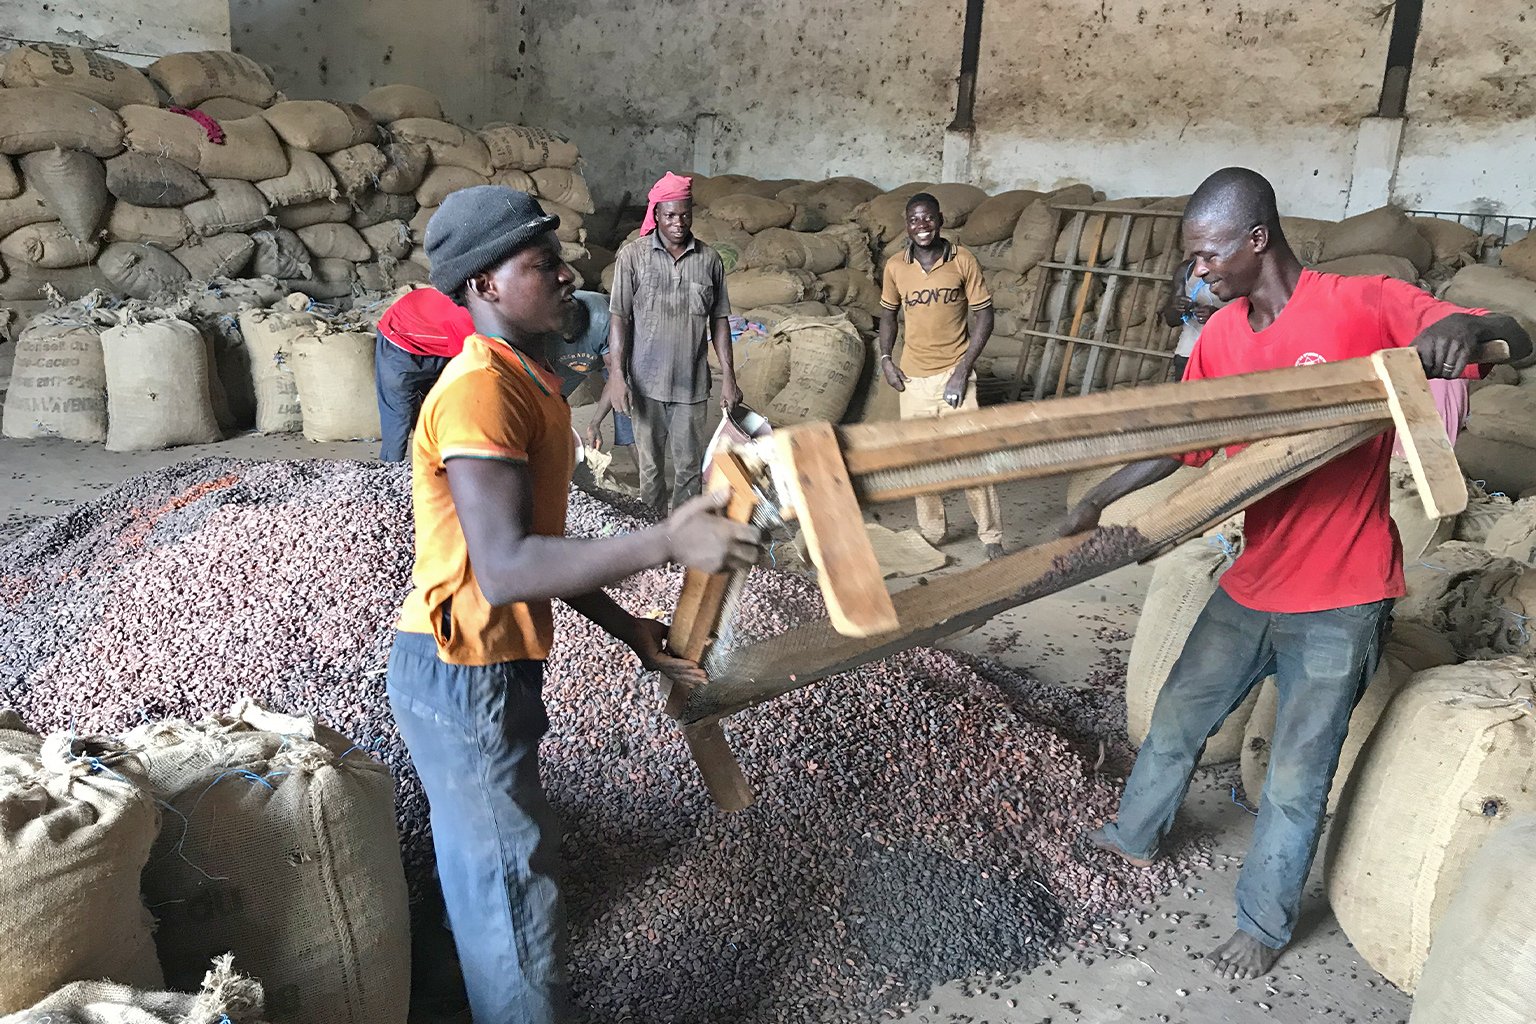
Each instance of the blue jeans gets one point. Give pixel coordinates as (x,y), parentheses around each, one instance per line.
(401,381)
(1321,662)
(473,734)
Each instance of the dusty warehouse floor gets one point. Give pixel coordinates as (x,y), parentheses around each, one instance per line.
(1148,968)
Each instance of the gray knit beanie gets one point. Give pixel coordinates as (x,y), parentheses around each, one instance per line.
(477,228)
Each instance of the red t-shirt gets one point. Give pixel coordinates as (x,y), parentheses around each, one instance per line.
(426,322)
(1327,540)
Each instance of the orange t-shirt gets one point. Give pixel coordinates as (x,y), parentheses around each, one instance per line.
(491,402)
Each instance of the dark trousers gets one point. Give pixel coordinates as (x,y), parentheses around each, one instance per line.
(473,733)
(662,427)
(401,380)
(1321,662)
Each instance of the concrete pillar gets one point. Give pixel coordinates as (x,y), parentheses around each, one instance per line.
(1378,146)
(958,147)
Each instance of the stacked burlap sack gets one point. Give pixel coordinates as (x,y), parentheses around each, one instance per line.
(209,359)
(134,181)
(254,835)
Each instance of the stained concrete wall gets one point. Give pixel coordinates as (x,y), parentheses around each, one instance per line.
(1470,140)
(471,53)
(136,31)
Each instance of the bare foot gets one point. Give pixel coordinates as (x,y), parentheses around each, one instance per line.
(1098,837)
(1243,958)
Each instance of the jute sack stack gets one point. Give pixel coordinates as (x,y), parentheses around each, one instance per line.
(74,185)
(1182,582)
(395,102)
(333,372)
(1498,445)
(108,81)
(193,77)
(224,998)
(761,360)
(826,356)
(1483,954)
(816,252)
(1513,534)
(76,828)
(58,383)
(834,198)
(1483,513)
(1498,289)
(1452,761)
(1386,231)
(1410,649)
(270,335)
(288,858)
(1448,239)
(525,148)
(39,118)
(159,392)
(1521,257)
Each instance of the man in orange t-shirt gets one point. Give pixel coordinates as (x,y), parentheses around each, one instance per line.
(491,467)
(1309,599)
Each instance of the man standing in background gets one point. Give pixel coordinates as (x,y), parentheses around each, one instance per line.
(668,304)
(416,337)
(937,287)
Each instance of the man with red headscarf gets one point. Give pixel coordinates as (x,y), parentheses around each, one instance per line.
(668,305)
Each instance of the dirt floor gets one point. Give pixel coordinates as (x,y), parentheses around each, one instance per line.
(1062,639)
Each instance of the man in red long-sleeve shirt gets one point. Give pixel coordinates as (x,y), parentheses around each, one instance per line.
(1309,599)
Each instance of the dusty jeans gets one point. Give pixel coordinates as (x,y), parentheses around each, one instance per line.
(923,398)
(473,733)
(1321,662)
(660,427)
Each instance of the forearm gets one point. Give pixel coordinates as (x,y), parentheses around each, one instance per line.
(887,332)
(721,329)
(980,334)
(1131,478)
(618,346)
(540,568)
(607,613)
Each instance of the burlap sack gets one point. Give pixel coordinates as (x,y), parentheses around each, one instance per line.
(1370,265)
(1419,533)
(10,181)
(163,227)
(1386,230)
(163,133)
(28,207)
(956,201)
(1513,533)
(251,151)
(269,336)
(834,198)
(441,182)
(41,118)
(564,186)
(1411,649)
(227,108)
(849,287)
(74,185)
(751,213)
(321,211)
(234,205)
(155,181)
(1452,760)
(1138,248)
(58,384)
(225,998)
(826,357)
(1429,577)
(141,271)
(388,240)
(451,146)
(1504,412)
(308,179)
(331,278)
(1034,236)
(1520,257)
(334,375)
(157,386)
(885,216)
(220,256)
(358,168)
(749,289)
(520,180)
(335,241)
(995,218)
(1447,239)
(527,149)
(780,247)
(405,166)
(48,245)
(108,81)
(1483,952)
(418,225)
(388,103)
(320,126)
(1502,466)
(761,361)
(708,188)
(1480,602)
(571,227)
(1484,511)
(287,857)
(1129,510)
(280,254)
(1182,582)
(378,207)
(75,831)
(24,283)
(192,77)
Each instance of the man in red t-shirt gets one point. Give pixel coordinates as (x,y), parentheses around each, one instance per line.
(1309,598)
(417,335)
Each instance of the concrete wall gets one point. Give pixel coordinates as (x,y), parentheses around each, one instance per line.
(470,52)
(136,31)
(1470,140)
